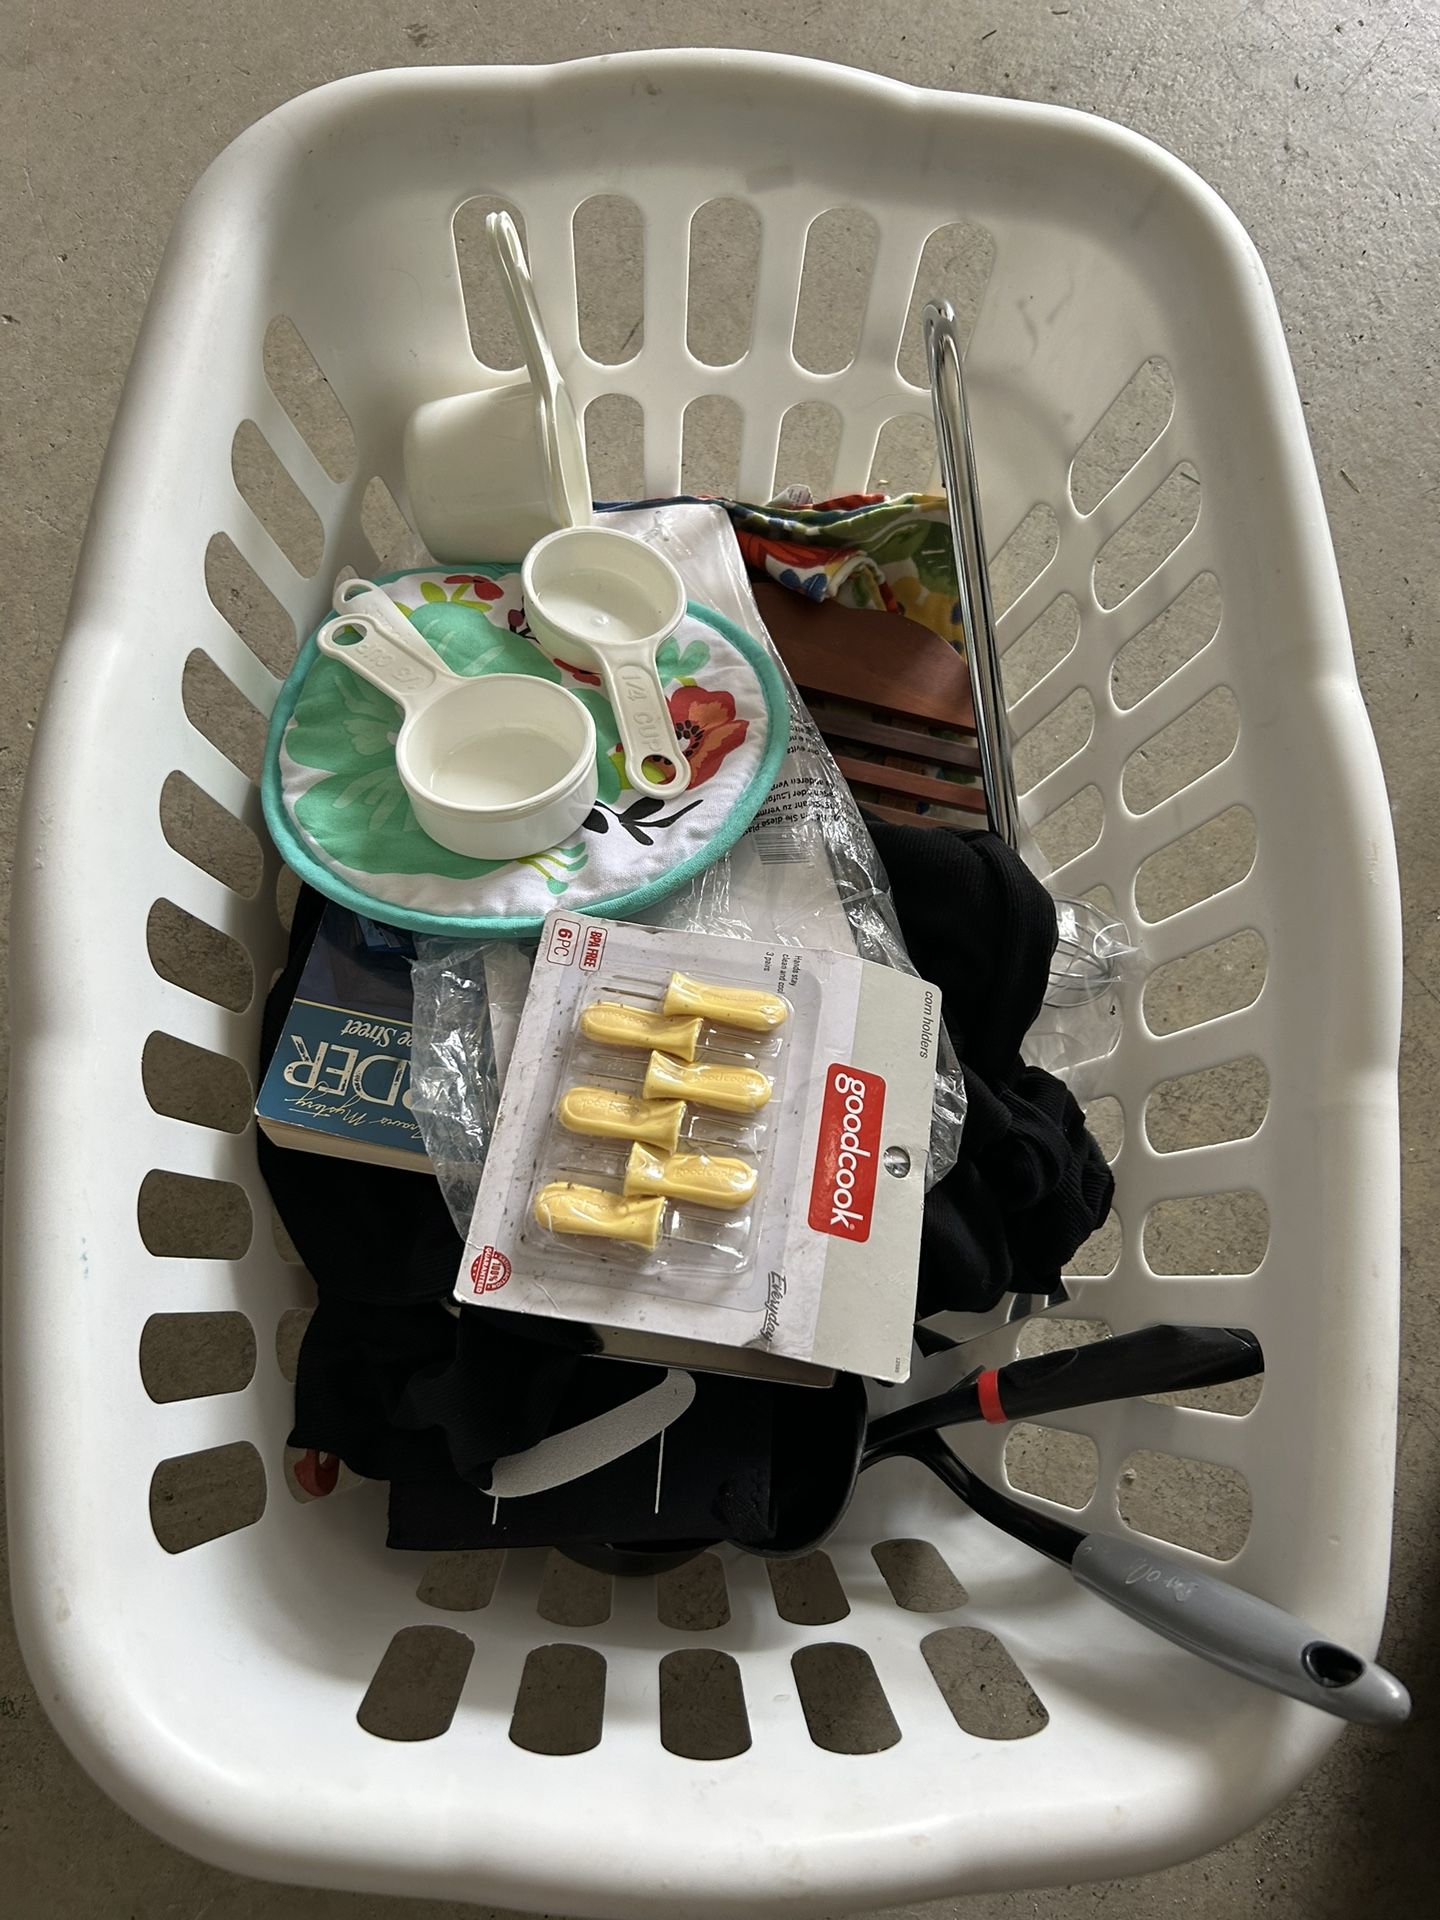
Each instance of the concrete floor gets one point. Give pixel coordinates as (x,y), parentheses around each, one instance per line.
(1318,124)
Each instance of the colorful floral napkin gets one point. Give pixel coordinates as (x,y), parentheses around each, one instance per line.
(863,549)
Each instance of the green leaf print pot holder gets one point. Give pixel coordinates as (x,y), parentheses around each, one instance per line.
(342,821)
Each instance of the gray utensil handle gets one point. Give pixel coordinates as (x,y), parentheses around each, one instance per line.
(1238,1631)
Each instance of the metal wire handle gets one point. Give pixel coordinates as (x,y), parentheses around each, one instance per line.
(1084,967)
(945,359)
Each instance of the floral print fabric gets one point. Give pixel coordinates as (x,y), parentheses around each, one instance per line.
(863,549)
(341,795)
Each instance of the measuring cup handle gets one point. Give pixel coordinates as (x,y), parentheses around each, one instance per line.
(504,239)
(389,653)
(637,699)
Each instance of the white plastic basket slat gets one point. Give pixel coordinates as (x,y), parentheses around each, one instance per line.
(209,768)
(214,1692)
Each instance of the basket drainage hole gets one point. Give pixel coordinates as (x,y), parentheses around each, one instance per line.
(1037,651)
(195,1497)
(572,1595)
(1207,1233)
(710,445)
(387,532)
(986,1692)
(242,599)
(1201,863)
(809,448)
(289,1333)
(702,1705)
(1100,1254)
(461,1582)
(1056,738)
(693,1598)
(724,267)
(1190,1503)
(844,1704)
(1044,1333)
(1059,1466)
(1227,1102)
(417,1685)
(190,953)
(493,338)
(187,1356)
(807,1592)
(1128,428)
(182,1216)
(1150,657)
(269,490)
(190,1083)
(298,382)
(1024,556)
(1225,977)
(918,1578)
(216,708)
(209,836)
(560,1707)
(1148,537)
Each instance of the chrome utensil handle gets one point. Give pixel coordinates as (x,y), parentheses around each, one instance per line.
(389,653)
(945,360)
(1238,1631)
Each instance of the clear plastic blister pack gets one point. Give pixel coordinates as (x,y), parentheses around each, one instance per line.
(668,1131)
(708,1139)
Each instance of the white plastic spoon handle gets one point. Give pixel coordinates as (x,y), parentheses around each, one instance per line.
(519,291)
(390,654)
(637,699)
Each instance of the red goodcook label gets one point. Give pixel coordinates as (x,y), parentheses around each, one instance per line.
(842,1194)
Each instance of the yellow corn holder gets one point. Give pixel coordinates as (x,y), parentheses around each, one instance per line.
(614,1024)
(701,1179)
(726,1089)
(745,1007)
(567,1208)
(622,1116)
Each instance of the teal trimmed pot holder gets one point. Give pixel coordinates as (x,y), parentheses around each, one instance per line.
(341,819)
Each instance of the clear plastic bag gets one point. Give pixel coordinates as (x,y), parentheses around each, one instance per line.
(467,1005)
(805,874)
(1079,1026)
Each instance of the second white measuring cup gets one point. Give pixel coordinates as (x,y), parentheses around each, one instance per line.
(496,765)
(597,597)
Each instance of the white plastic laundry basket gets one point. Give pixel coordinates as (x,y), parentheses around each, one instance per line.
(214,1692)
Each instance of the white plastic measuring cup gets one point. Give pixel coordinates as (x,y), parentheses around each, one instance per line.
(596,597)
(489,473)
(496,766)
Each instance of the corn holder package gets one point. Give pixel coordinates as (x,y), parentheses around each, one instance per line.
(712,1151)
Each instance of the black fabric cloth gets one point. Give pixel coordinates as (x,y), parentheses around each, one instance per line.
(1030,1185)
(402,1388)
(409,1390)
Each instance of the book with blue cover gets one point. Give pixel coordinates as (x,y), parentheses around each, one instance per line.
(339,1079)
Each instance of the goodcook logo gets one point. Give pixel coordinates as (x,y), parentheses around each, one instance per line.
(489,1270)
(843,1192)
